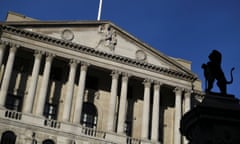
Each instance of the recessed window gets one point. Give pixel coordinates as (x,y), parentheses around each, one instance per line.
(89,115)
(48,141)
(50,111)
(13,102)
(92,83)
(8,137)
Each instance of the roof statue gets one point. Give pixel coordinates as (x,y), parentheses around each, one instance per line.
(213,71)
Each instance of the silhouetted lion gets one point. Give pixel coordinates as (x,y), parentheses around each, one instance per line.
(213,70)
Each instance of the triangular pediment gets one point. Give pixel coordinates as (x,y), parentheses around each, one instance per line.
(104,36)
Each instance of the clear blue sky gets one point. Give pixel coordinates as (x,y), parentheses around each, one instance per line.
(187,29)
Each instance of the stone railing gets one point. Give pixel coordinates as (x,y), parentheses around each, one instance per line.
(76,130)
(52,123)
(94,133)
(131,140)
(13,114)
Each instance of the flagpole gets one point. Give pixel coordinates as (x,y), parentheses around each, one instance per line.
(99,10)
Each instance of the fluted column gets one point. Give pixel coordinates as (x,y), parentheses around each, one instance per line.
(122,106)
(187,101)
(112,103)
(2,49)
(69,92)
(146,108)
(80,93)
(187,107)
(178,114)
(28,100)
(7,74)
(155,112)
(44,85)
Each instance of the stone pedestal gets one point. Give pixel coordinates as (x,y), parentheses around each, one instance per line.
(215,121)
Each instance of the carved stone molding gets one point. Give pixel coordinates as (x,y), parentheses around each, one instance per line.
(141,55)
(97,53)
(67,35)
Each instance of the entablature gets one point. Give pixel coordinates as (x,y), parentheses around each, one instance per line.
(38,41)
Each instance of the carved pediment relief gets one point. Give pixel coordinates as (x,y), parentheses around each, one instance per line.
(108,37)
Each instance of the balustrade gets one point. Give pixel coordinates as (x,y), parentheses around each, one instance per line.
(52,123)
(13,114)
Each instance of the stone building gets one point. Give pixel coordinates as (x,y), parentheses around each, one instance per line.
(88,82)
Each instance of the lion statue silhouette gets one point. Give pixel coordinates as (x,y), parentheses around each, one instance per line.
(213,71)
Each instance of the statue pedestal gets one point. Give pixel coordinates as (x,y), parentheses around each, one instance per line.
(215,121)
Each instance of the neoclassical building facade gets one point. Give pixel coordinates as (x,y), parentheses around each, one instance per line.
(88,82)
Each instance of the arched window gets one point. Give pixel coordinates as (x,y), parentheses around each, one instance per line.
(8,137)
(89,115)
(48,141)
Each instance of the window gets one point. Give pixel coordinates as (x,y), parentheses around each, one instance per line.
(56,74)
(89,115)
(48,141)
(92,83)
(50,111)
(8,137)
(13,102)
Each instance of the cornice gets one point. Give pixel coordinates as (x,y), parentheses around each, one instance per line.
(97,53)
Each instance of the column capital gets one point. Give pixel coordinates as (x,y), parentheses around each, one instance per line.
(14,48)
(125,76)
(187,92)
(73,62)
(115,74)
(84,66)
(38,53)
(49,56)
(157,83)
(3,44)
(147,82)
(178,90)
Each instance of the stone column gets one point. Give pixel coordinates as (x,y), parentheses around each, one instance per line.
(44,85)
(123,102)
(187,101)
(2,49)
(80,93)
(7,74)
(187,107)
(29,99)
(112,103)
(146,108)
(69,93)
(178,114)
(155,112)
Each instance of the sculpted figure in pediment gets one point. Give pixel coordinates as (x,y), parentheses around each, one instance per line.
(109,37)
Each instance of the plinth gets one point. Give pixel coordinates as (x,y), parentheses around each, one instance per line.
(214,121)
